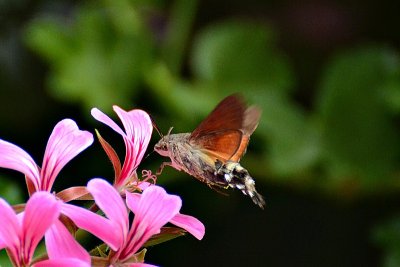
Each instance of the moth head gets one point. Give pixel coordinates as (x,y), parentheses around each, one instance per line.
(162,147)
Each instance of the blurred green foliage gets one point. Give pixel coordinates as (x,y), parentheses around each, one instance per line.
(12,192)
(359,135)
(109,53)
(388,236)
(99,57)
(345,143)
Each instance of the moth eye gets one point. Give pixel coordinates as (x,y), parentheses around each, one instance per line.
(164,147)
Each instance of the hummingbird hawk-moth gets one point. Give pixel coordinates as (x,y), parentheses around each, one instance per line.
(211,153)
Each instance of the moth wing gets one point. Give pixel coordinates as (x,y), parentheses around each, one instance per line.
(224,134)
(250,122)
(251,118)
(221,145)
(227,115)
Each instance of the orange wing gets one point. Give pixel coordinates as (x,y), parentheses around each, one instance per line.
(225,133)
(251,117)
(221,145)
(228,115)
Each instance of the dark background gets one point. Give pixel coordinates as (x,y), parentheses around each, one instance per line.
(325,73)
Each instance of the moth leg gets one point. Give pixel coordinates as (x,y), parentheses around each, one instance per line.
(217,188)
(161,168)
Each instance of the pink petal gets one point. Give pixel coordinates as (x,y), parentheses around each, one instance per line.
(65,142)
(100,116)
(190,224)
(97,225)
(62,263)
(15,158)
(60,244)
(110,202)
(144,185)
(132,201)
(41,211)
(129,167)
(10,229)
(138,127)
(187,222)
(154,210)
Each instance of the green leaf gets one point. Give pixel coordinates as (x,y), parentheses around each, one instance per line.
(166,234)
(98,59)
(391,93)
(182,15)
(4,260)
(50,39)
(359,138)
(138,257)
(100,251)
(387,235)
(11,191)
(293,139)
(243,54)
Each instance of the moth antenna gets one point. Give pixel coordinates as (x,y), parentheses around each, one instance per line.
(170,130)
(156,127)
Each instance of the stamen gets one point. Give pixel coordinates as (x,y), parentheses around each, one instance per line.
(149,177)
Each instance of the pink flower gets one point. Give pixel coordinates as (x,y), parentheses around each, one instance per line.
(62,248)
(65,142)
(153,209)
(137,134)
(20,234)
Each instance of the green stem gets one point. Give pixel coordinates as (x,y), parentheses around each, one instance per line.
(180,23)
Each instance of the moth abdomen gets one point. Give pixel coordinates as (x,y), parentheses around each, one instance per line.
(238,177)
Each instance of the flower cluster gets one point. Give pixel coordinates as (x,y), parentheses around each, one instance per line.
(51,216)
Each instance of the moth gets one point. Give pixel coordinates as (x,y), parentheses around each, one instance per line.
(211,153)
